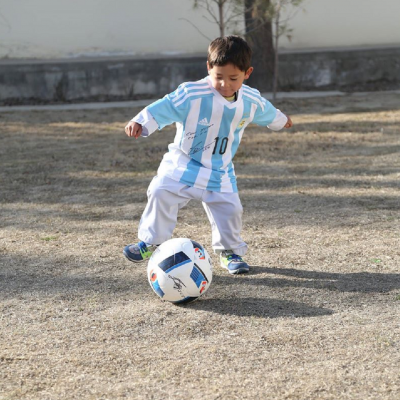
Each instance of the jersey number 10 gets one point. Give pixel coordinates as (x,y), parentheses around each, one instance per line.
(223,144)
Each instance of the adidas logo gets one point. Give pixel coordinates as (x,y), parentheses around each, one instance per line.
(203,122)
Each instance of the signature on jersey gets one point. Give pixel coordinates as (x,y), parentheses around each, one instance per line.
(202,131)
(194,149)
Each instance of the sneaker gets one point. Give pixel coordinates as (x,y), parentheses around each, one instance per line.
(233,263)
(139,252)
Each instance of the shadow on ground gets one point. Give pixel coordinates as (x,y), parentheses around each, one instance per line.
(56,280)
(259,307)
(362,282)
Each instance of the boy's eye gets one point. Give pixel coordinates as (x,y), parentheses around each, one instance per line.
(220,78)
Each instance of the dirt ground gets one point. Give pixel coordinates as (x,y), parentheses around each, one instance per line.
(318,316)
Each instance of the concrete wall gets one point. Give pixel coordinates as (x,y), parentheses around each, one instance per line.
(71,28)
(104,79)
(148,77)
(346,70)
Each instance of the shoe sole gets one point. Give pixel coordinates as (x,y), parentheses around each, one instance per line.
(131,259)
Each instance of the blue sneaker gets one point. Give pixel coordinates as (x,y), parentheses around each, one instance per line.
(139,252)
(233,263)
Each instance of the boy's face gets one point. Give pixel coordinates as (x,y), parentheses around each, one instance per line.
(227,79)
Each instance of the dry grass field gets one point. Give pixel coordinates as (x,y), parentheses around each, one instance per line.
(318,316)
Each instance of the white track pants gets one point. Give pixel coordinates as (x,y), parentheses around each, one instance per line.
(166,197)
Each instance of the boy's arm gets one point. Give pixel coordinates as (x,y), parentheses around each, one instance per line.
(143,124)
(271,117)
(280,121)
(158,114)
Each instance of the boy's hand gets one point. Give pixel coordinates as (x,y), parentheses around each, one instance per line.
(289,122)
(133,129)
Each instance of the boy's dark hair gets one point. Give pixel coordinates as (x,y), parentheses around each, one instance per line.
(229,50)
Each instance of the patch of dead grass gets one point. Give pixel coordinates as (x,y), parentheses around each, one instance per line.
(317,317)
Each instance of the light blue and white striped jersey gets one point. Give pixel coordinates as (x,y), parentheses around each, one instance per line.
(209,129)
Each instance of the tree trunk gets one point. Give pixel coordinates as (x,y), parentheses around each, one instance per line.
(221,18)
(260,38)
(276,60)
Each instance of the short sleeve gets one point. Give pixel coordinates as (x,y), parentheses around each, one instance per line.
(169,109)
(267,115)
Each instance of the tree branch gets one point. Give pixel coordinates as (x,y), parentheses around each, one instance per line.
(197,29)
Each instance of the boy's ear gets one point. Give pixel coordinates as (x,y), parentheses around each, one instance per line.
(208,67)
(248,73)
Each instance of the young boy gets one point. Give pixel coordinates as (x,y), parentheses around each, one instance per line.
(210,115)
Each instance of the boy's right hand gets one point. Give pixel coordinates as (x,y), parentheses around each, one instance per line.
(133,129)
(289,122)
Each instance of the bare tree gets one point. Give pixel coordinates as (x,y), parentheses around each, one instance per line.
(258,31)
(224,13)
(259,35)
(265,23)
(281,29)
(4,21)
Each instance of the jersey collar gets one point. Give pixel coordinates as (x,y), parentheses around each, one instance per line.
(221,99)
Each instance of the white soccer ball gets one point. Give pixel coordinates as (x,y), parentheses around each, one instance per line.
(180,270)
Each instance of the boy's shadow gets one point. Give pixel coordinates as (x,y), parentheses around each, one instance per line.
(259,307)
(363,282)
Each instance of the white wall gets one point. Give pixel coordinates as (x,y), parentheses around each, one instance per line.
(68,28)
(342,23)
(53,28)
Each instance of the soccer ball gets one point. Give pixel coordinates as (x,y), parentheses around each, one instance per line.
(180,270)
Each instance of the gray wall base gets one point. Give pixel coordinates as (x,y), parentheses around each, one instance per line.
(110,79)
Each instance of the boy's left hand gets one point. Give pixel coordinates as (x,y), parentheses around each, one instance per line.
(289,122)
